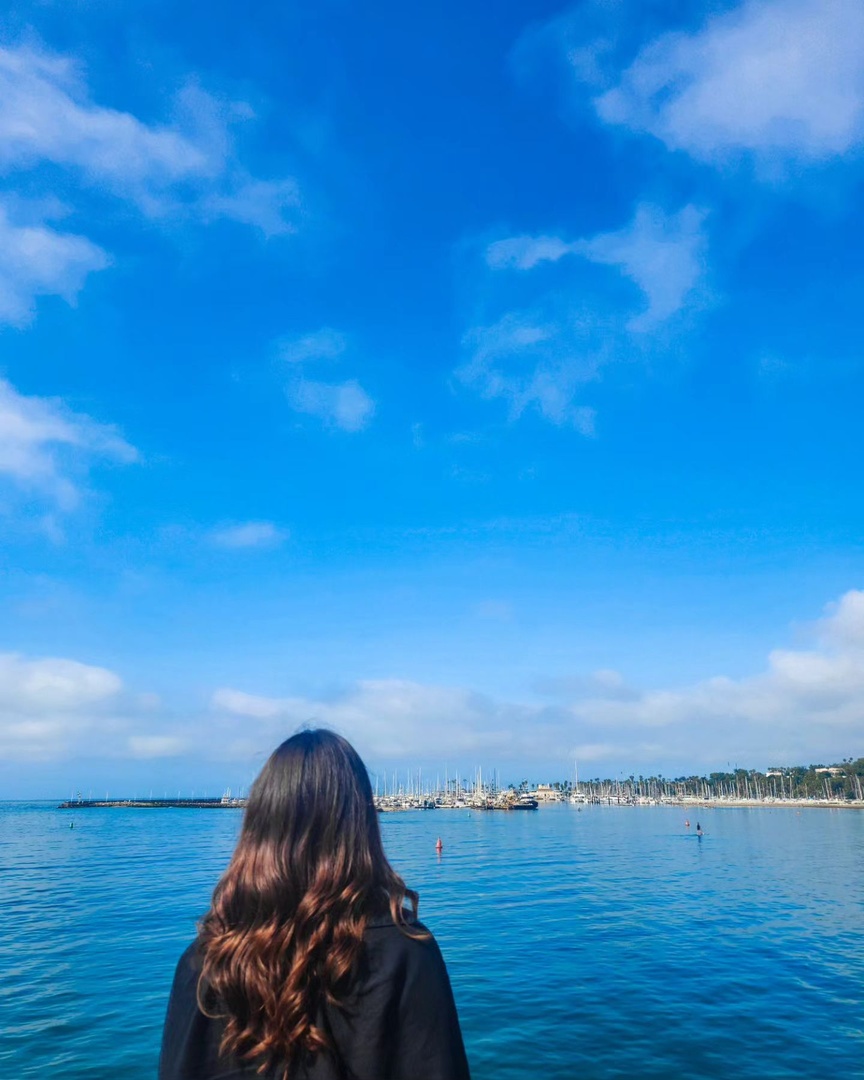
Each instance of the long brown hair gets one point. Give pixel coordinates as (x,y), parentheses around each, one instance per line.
(284,933)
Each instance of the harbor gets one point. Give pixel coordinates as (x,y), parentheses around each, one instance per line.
(825,786)
(408,792)
(481,799)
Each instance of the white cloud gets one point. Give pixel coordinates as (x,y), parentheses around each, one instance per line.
(843,625)
(806,705)
(44,445)
(55,708)
(664,254)
(542,357)
(409,722)
(323,344)
(267,205)
(392,718)
(397,719)
(252,705)
(251,534)
(531,364)
(339,404)
(52,684)
(343,405)
(525,252)
(36,260)
(47,115)
(782,80)
(49,706)
(171,172)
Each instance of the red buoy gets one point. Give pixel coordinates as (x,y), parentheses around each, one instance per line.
(438,845)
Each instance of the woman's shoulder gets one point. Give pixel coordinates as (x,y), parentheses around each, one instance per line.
(383,920)
(383,926)
(191,955)
(408,945)
(189,965)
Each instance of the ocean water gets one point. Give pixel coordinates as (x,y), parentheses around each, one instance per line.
(602,943)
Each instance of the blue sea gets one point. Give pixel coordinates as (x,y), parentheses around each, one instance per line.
(599,943)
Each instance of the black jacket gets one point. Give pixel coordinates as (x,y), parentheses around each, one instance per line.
(399,1021)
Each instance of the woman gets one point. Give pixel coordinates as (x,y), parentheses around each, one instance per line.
(308,966)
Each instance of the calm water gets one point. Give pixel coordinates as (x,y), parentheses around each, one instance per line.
(597,943)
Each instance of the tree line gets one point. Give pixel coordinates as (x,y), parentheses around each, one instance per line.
(843,781)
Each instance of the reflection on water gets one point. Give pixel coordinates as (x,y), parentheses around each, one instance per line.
(602,943)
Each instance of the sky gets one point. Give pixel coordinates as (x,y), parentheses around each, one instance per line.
(481,381)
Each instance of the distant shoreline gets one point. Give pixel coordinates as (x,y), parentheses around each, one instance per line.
(682,804)
(766,804)
(152,804)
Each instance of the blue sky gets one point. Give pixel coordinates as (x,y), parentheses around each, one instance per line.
(483,382)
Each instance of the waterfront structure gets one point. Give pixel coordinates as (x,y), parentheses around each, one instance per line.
(822,785)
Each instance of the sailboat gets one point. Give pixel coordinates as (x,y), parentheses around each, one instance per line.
(577,796)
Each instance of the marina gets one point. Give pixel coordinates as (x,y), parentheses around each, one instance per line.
(484,800)
(823,786)
(820,786)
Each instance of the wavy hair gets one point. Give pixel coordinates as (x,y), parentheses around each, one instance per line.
(284,933)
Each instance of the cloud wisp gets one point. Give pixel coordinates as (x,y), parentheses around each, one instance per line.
(342,405)
(39,260)
(45,447)
(249,534)
(663,254)
(323,344)
(535,360)
(526,252)
(542,357)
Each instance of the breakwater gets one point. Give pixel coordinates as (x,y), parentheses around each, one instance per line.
(223,803)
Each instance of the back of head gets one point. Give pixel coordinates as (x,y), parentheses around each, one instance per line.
(284,932)
(310,826)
